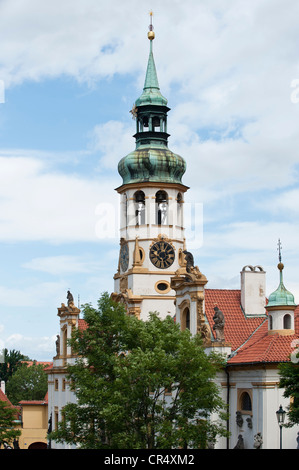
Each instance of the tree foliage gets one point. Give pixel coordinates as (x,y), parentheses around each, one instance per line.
(27,383)
(139,385)
(11,360)
(8,415)
(289,380)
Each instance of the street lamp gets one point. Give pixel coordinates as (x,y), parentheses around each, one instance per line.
(280,414)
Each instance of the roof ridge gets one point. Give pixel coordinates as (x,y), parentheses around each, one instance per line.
(229,290)
(272,340)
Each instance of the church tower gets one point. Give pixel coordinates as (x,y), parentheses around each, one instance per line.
(152,238)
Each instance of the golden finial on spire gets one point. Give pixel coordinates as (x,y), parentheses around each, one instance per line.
(151,34)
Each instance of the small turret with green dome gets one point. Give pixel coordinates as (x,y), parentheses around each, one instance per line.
(281,296)
(151,161)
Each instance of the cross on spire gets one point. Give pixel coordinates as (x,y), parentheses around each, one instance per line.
(151,34)
(279,250)
(151,21)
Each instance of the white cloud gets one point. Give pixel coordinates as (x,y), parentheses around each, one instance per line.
(38,203)
(39,348)
(38,294)
(285,204)
(114,140)
(64,264)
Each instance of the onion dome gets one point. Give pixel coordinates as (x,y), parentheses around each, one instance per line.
(281,296)
(149,163)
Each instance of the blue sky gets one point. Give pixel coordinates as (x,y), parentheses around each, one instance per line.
(71,71)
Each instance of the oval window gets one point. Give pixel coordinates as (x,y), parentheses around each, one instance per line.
(162,287)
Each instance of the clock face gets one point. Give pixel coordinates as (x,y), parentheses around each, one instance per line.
(124,257)
(162,255)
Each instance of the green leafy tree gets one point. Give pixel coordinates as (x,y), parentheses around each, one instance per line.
(139,384)
(27,383)
(8,415)
(10,361)
(289,380)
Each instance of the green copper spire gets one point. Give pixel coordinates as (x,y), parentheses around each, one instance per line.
(151,91)
(281,297)
(151,79)
(151,161)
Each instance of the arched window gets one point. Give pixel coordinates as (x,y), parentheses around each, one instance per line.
(139,207)
(270,322)
(287,322)
(245,402)
(185,320)
(161,208)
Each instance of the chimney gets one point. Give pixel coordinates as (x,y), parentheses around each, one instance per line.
(2,386)
(253,290)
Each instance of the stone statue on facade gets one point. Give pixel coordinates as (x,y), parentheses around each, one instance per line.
(258,441)
(249,422)
(218,324)
(193,273)
(240,442)
(190,261)
(239,419)
(57,345)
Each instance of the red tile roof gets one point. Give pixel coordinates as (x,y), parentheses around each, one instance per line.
(3,397)
(82,325)
(238,327)
(47,364)
(248,335)
(269,348)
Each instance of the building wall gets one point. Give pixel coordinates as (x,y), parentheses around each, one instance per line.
(35,425)
(266,397)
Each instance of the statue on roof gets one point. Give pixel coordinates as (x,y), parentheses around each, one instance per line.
(218,324)
(70,298)
(190,261)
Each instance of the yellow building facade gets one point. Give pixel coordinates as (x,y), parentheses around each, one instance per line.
(34,424)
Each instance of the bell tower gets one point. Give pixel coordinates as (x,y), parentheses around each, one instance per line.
(152,238)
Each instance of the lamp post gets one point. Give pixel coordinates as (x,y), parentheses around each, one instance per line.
(280,414)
